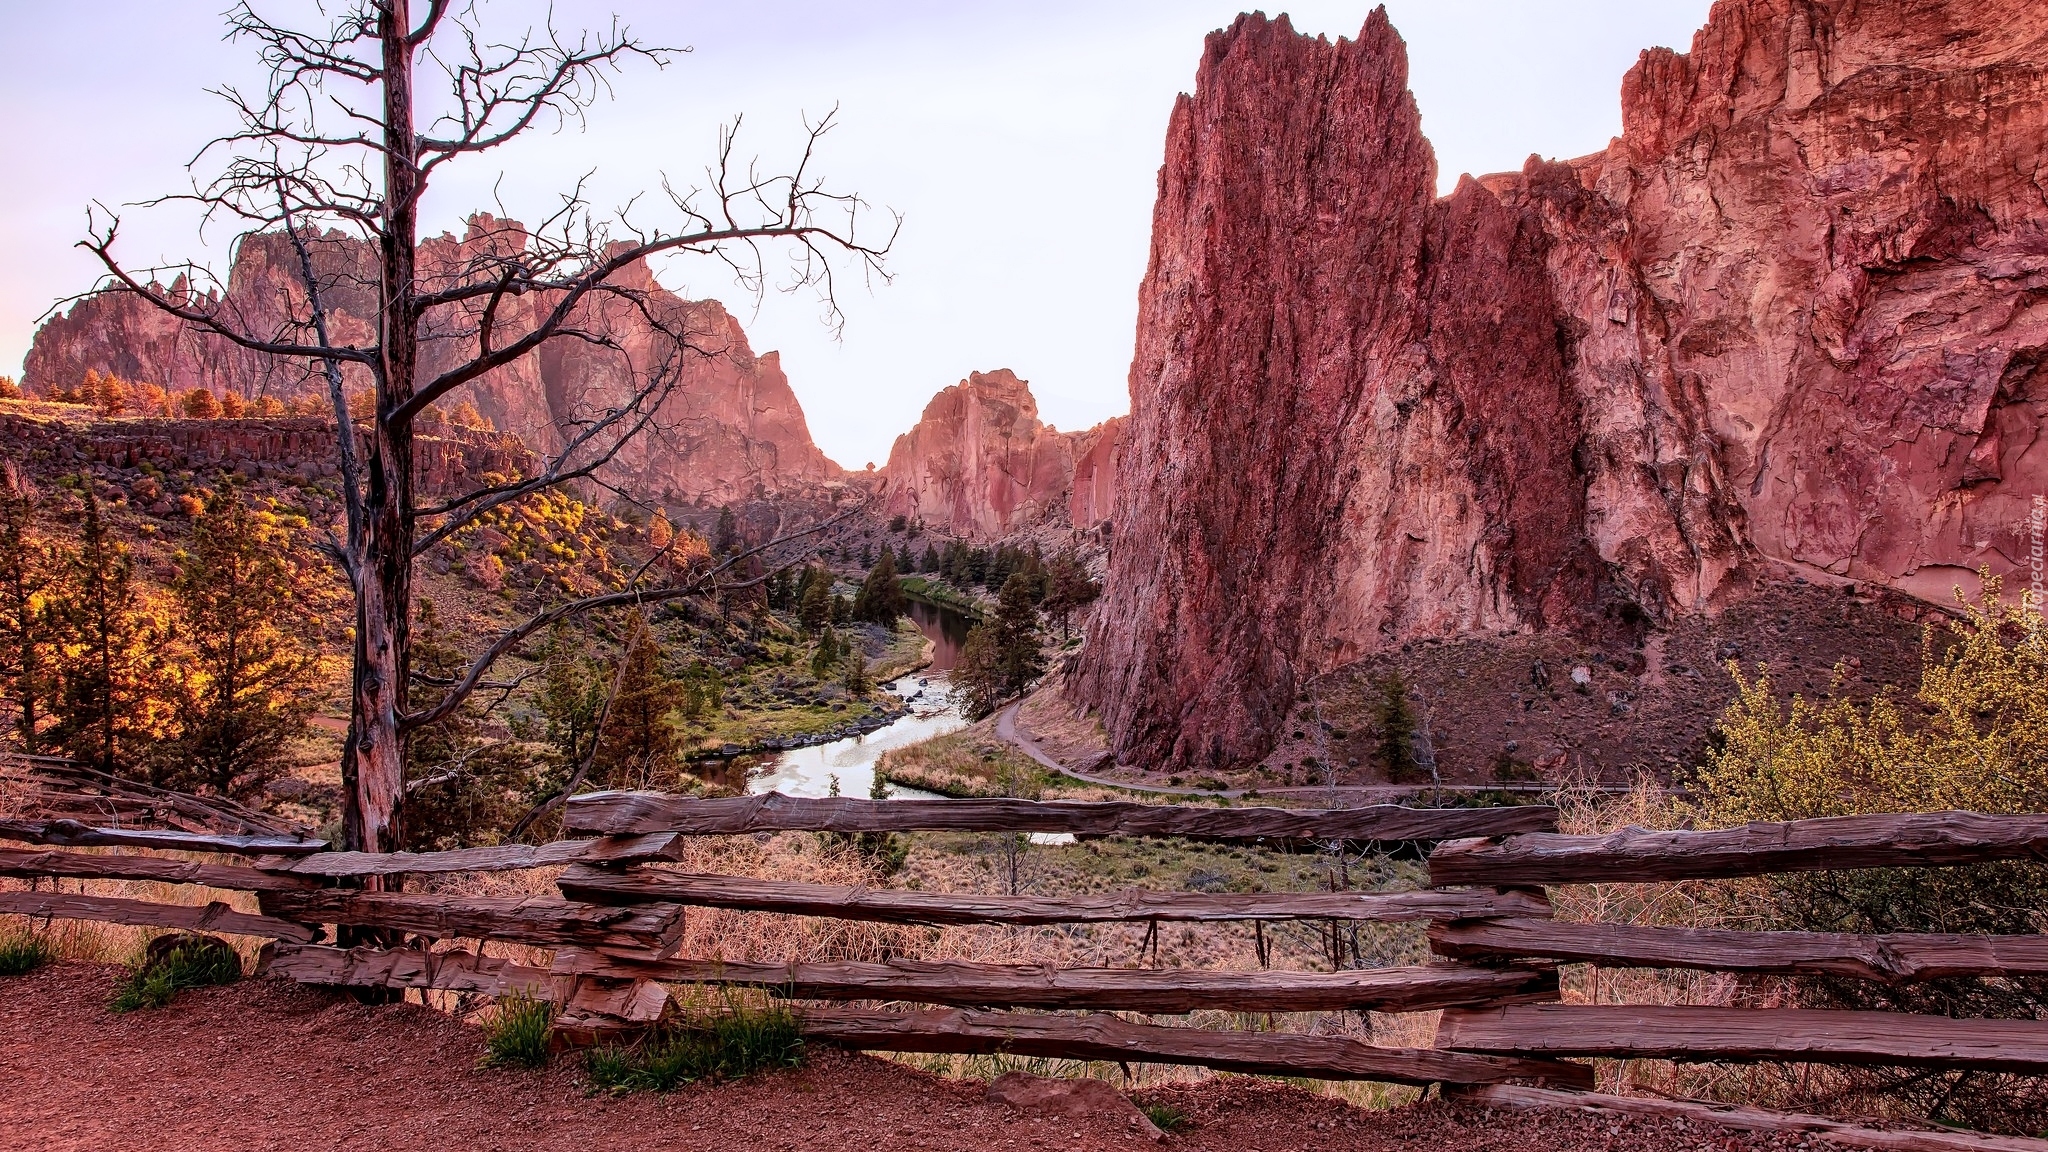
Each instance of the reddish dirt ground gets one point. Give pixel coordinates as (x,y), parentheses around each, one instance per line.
(273,1066)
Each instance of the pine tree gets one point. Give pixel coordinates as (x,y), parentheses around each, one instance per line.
(28,566)
(881,596)
(572,696)
(463,787)
(638,747)
(1017,636)
(703,691)
(1067,589)
(854,672)
(814,603)
(825,658)
(930,563)
(728,535)
(108,707)
(1001,657)
(1395,718)
(903,558)
(240,686)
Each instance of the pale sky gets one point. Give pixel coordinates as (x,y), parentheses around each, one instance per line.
(1021,143)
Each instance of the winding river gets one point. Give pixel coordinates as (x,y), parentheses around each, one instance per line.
(810,771)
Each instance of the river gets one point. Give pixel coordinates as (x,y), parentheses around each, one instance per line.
(810,771)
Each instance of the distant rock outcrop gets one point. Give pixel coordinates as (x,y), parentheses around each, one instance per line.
(733,429)
(980,463)
(1095,455)
(447,459)
(1795,315)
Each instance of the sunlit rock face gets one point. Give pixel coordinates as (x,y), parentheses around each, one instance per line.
(732,428)
(980,463)
(1793,316)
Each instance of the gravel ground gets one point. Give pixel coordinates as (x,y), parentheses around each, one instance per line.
(265,1065)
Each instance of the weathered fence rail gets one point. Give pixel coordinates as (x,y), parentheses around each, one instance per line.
(211,917)
(629,813)
(1748,1034)
(1893,958)
(72,834)
(1414,988)
(620,915)
(897,906)
(97,866)
(1108,1038)
(1635,855)
(534,920)
(498,858)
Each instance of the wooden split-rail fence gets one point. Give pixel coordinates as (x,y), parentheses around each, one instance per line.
(615,928)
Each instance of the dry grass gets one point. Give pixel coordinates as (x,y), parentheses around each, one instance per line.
(1718,903)
(98,943)
(967,863)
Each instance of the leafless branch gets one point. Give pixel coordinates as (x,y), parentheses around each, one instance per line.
(703,584)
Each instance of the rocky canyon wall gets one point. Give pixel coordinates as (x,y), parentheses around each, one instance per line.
(1793,316)
(979,463)
(731,429)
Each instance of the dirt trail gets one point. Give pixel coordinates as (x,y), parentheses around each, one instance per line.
(1335,797)
(266,1065)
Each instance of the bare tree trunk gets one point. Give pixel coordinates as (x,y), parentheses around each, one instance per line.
(286,171)
(374,818)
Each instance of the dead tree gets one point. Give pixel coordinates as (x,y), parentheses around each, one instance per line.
(336,154)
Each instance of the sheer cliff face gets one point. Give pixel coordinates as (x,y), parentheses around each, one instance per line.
(732,429)
(980,463)
(1794,314)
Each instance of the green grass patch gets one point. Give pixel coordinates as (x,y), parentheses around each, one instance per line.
(194,962)
(1167,1118)
(727,1045)
(23,951)
(965,765)
(521,1033)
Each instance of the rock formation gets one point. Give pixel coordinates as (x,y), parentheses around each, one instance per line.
(1096,451)
(448,459)
(1793,316)
(732,429)
(979,463)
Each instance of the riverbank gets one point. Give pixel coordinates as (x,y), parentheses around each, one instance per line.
(943,595)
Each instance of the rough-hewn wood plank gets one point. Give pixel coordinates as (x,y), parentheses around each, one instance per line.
(1893,958)
(500,858)
(1745,1034)
(1747,1119)
(1416,988)
(369,967)
(620,813)
(214,917)
(895,906)
(72,834)
(91,866)
(1108,1038)
(537,920)
(1635,855)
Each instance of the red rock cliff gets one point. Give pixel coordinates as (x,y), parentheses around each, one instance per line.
(1794,314)
(980,463)
(732,429)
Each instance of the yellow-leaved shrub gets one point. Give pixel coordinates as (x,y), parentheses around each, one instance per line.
(1974,736)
